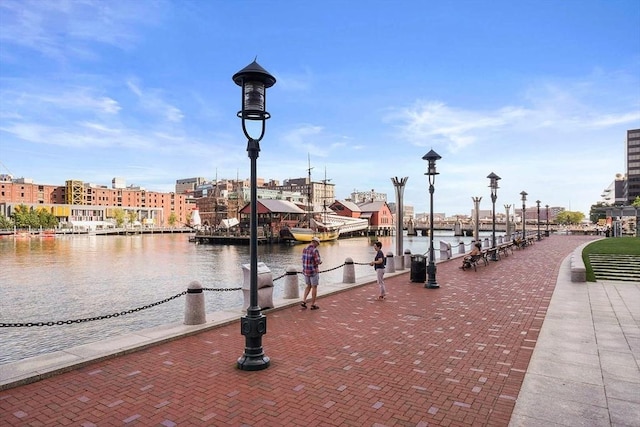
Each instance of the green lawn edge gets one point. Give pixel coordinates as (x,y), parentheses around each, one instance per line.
(612,245)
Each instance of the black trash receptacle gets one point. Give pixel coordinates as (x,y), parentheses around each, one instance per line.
(418,268)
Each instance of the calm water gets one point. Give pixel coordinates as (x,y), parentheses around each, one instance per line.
(74,277)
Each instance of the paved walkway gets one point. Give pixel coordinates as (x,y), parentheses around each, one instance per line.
(460,355)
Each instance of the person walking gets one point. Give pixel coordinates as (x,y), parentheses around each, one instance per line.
(310,262)
(378,264)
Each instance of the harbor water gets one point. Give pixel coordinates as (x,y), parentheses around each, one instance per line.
(78,277)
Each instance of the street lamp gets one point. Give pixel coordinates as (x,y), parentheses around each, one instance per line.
(254,81)
(547,217)
(431,157)
(538,204)
(524,211)
(493,184)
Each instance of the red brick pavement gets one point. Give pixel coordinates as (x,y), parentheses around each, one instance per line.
(454,356)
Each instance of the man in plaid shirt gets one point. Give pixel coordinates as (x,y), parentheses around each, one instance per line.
(310,262)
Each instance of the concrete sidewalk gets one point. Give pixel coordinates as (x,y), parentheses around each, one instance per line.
(585,367)
(466,354)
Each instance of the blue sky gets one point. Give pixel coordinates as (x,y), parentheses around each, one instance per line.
(539,92)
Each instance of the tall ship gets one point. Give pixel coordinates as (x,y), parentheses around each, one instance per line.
(315,226)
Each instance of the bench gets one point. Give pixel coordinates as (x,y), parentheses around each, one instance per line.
(473,261)
(489,254)
(505,248)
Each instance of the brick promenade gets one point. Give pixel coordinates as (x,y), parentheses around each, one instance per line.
(454,356)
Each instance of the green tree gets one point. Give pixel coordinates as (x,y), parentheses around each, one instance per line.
(5,223)
(45,218)
(23,217)
(132,216)
(118,215)
(569,217)
(173,218)
(636,202)
(597,213)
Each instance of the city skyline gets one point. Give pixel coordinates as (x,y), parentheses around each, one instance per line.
(540,93)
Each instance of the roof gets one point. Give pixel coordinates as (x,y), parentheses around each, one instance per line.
(280,206)
(349,205)
(371,206)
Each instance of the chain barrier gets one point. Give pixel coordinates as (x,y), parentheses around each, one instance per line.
(107,316)
(135,310)
(322,271)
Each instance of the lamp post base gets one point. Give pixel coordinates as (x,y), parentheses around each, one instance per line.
(246,363)
(253,327)
(431,277)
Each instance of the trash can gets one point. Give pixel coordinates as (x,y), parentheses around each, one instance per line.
(418,268)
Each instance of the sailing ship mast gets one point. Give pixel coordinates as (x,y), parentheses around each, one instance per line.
(309,205)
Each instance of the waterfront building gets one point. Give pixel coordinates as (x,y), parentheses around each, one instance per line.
(407,212)
(320,194)
(188,185)
(379,215)
(371,196)
(80,201)
(633,166)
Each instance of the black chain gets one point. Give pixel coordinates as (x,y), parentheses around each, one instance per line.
(107,316)
(135,310)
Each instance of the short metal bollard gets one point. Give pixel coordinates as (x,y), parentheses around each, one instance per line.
(461,248)
(291,289)
(391,266)
(349,272)
(194,313)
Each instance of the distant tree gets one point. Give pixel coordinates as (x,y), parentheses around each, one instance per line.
(46,219)
(173,218)
(118,215)
(636,202)
(23,217)
(595,214)
(132,216)
(569,217)
(5,223)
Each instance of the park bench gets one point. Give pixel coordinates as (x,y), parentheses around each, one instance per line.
(505,248)
(473,261)
(489,254)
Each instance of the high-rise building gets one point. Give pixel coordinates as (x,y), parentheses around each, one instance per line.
(633,165)
(614,194)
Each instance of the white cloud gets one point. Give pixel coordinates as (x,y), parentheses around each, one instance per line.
(64,28)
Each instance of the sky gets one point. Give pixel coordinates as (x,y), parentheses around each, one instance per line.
(540,92)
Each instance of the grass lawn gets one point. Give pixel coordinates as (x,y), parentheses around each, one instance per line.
(612,245)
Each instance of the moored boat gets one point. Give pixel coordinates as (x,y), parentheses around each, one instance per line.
(306,234)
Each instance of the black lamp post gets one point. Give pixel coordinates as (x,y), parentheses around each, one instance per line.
(493,184)
(431,157)
(254,81)
(538,204)
(524,213)
(547,218)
